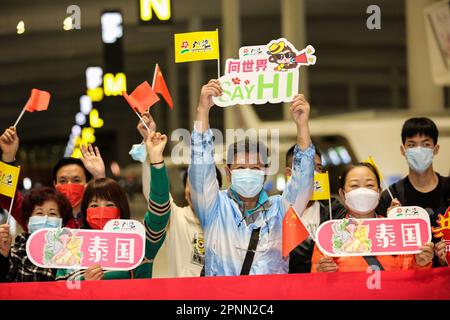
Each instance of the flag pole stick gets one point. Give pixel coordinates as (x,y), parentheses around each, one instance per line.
(148,129)
(218,59)
(218,68)
(10,209)
(329,206)
(387,188)
(154,76)
(20,116)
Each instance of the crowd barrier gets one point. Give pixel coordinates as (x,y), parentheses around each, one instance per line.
(409,285)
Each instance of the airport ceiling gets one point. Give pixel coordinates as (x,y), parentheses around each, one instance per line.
(47,56)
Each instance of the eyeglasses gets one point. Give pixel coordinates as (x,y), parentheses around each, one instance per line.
(287,55)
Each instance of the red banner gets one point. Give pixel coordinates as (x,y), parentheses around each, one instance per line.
(410,285)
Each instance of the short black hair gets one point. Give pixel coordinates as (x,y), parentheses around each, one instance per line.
(218,175)
(248,146)
(420,126)
(350,167)
(38,195)
(290,155)
(68,161)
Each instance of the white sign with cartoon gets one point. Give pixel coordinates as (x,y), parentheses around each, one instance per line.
(264,74)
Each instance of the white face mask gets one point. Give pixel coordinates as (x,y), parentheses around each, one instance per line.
(362,200)
(247,182)
(419,158)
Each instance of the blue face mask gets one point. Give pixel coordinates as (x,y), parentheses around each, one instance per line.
(138,152)
(36,223)
(247,182)
(419,158)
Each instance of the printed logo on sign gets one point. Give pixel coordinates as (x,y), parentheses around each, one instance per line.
(6,179)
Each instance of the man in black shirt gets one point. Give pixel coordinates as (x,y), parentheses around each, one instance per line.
(422,186)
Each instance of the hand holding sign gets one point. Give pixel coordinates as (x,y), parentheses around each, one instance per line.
(426,255)
(300,110)
(9,144)
(94,273)
(211,89)
(441,252)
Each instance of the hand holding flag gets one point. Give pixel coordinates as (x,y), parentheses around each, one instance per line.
(38,101)
(141,99)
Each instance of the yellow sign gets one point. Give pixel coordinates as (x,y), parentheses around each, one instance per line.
(114,85)
(9,175)
(321,187)
(195,46)
(161,8)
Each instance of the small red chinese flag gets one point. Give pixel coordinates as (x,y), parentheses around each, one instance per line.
(294,232)
(160,86)
(142,98)
(38,101)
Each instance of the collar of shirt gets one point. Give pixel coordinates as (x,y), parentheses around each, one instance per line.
(251,215)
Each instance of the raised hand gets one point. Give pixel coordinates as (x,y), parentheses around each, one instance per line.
(151,124)
(92,161)
(94,273)
(211,89)
(155,144)
(5,240)
(300,109)
(9,144)
(300,114)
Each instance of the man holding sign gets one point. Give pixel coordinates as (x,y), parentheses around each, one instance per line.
(242,225)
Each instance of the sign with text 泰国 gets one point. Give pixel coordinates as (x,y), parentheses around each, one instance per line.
(371,237)
(264,74)
(119,246)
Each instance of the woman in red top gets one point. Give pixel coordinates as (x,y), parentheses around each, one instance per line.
(360,189)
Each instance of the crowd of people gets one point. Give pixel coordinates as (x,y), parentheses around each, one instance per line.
(223,232)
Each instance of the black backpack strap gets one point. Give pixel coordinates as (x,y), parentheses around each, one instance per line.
(373,261)
(254,239)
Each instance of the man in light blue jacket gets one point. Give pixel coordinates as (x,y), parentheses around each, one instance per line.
(243,225)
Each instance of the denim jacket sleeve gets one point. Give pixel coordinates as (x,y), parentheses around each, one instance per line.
(299,189)
(202,175)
